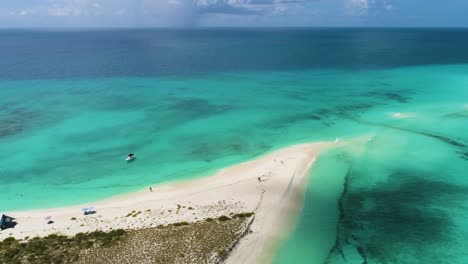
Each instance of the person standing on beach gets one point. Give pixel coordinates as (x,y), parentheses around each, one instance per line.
(151,189)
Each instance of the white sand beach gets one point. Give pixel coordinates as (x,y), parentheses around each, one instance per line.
(272,186)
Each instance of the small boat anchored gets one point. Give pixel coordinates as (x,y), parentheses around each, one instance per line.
(130,157)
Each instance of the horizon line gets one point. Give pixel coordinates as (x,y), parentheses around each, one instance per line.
(77,28)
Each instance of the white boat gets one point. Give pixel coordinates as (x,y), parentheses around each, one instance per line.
(130,157)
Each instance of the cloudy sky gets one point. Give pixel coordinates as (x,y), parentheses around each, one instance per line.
(217,13)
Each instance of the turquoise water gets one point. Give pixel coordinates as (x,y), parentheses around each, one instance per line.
(70,115)
(177,127)
(400,198)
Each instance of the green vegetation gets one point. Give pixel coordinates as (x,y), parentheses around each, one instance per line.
(223,218)
(55,248)
(180,224)
(221,252)
(209,242)
(9,240)
(243,215)
(199,242)
(73,218)
(133,213)
(136,214)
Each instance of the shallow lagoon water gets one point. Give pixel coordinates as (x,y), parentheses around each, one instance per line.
(400,198)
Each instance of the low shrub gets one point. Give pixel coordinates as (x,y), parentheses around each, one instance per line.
(244,215)
(223,218)
(180,224)
(55,248)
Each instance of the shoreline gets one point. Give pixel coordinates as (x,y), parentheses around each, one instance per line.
(272,186)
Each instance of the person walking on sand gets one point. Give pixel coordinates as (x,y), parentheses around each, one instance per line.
(151,189)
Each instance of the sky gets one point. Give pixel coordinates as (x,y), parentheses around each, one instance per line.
(234,13)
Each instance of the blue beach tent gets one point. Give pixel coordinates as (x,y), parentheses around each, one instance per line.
(7,222)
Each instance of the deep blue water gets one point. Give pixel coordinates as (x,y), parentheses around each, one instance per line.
(159,52)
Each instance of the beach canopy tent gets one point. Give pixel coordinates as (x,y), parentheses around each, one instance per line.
(7,222)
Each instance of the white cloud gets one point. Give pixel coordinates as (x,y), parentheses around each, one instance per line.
(249,7)
(26,12)
(64,11)
(367,7)
(358,7)
(156,12)
(74,8)
(279,10)
(174,2)
(121,12)
(69,13)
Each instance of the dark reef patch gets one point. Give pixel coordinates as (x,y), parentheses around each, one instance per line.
(175,112)
(379,84)
(211,150)
(299,96)
(288,120)
(463,148)
(193,108)
(7,106)
(359,107)
(386,95)
(216,148)
(325,115)
(352,110)
(119,102)
(324,112)
(461,114)
(14,121)
(408,211)
(337,247)
(463,154)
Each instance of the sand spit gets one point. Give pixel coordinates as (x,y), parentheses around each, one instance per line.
(271,186)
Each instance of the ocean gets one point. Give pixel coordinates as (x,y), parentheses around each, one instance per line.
(188,102)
